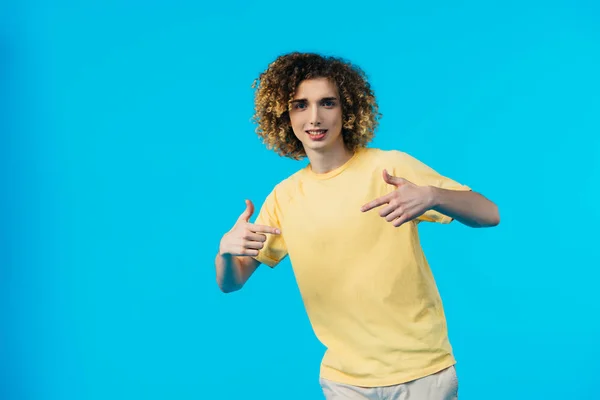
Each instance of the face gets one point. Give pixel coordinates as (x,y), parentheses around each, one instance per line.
(316,116)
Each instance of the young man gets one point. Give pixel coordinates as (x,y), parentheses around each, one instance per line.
(348,222)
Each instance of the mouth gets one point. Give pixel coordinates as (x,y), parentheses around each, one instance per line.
(316,134)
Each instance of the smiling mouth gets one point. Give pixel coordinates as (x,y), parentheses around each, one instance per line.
(316,132)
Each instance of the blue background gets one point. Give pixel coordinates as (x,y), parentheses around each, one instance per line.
(127,151)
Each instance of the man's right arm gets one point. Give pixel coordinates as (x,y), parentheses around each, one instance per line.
(234,271)
(235,260)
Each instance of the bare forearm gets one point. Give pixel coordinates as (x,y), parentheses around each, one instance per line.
(228,272)
(469,208)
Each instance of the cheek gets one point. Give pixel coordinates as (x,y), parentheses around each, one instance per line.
(296,125)
(337,113)
(337,118)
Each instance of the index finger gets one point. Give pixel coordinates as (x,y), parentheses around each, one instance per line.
(376,203)
(263,229)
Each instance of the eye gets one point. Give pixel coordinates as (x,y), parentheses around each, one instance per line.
(329,103)
(299,106)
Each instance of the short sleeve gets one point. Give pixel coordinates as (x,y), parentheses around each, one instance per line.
(408,167)
(274,250)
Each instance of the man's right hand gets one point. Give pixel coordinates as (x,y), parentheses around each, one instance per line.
(245,239)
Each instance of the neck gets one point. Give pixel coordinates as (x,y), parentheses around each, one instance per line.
(326,161)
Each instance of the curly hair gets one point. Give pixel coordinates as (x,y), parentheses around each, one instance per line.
(275,89)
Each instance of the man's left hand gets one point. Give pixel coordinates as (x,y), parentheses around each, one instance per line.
(405,203)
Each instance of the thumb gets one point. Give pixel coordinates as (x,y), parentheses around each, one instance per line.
(247,212)
(392,180)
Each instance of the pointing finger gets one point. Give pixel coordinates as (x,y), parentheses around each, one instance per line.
(376,203)
(264,229)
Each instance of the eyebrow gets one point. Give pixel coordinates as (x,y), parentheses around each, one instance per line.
(306,101)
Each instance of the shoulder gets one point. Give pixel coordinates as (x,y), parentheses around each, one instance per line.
(387,157)
(290,182)
(284,190)
(399,163)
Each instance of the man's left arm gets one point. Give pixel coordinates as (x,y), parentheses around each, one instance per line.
(467,207)
(409,201)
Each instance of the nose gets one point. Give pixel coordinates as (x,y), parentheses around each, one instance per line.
(315,118)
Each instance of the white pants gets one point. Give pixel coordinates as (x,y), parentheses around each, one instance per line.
(442,385)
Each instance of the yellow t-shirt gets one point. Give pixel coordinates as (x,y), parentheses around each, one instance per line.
(367,287)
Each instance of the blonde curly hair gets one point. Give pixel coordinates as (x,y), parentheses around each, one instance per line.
(275,89)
